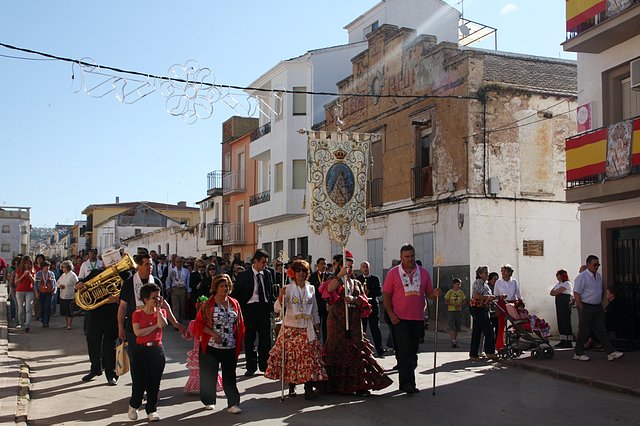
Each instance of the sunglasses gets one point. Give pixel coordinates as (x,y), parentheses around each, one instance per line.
(299,270)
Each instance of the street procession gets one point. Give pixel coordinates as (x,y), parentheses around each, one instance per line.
(404,217)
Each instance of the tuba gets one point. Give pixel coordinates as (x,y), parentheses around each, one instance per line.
(96,291)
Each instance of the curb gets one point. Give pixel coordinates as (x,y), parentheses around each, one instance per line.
(571,378)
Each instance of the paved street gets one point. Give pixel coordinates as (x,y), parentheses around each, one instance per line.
(479,393)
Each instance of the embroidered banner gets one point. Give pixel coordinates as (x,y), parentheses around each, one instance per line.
(619,149)
(338,167)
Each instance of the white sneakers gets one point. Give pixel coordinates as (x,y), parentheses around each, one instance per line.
(209,407)
(582,357)
(234,409)
(153,417)
(132,413)
(614,355)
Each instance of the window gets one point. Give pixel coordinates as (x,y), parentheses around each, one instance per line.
(137,231)
(299,174)
(422,172)
(303,247)
(278,177)
(277,248)
(6,229)
(619,101)
(6,248)
(292,247)
(299,101)
(267,247)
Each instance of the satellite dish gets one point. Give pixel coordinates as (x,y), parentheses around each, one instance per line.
(464,30)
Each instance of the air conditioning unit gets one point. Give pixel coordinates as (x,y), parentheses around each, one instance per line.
(635,74)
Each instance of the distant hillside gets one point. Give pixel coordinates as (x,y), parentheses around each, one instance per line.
(39,234)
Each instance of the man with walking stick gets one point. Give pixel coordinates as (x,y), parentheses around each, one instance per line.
(405,292)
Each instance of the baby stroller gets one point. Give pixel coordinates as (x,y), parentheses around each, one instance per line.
(524,333)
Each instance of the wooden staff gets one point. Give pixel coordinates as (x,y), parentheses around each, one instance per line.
(344,291)
(435,342)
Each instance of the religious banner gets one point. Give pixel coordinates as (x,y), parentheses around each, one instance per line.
(338,167)
(619,149)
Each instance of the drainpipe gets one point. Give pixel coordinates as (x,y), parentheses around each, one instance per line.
(484,98)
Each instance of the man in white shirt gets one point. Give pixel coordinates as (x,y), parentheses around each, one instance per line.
(588,292)
(178,288)
(90,265)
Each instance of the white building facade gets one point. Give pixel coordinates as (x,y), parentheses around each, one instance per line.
(15,229)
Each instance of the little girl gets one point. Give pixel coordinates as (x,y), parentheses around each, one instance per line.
(147,354)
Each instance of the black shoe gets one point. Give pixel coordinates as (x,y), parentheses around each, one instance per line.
(27,329)
(564,344)
(412,391)
(292,390)
(249,373)
(90,376)
(308,395)
(363,393)
(112,381)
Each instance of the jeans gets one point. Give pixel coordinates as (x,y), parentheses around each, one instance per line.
(45,307)
(25,307)
(148,365)
(209,365)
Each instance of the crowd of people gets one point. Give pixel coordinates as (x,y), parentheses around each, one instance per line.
(294,324)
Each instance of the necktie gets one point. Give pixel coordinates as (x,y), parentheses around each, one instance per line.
(260,289)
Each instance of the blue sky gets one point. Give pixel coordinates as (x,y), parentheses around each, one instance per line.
(61,151)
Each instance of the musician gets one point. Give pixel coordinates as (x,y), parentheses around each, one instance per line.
(253,289)
(372,289)
(318,277)
(102,327)
(129,301)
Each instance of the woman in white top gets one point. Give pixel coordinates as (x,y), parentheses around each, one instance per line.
(66,284)
(562,291)
(300,330)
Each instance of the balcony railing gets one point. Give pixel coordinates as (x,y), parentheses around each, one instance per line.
(375,192)
(260,131)
(233,233)
(422,182)
(263,197)
(596,15)
(214,182)
(591,158)
(233,182)
(214,234)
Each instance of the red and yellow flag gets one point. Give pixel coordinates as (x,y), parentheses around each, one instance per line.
(635,147)
(579,11)
(586,154)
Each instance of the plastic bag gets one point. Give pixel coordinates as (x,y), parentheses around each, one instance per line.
(122,359)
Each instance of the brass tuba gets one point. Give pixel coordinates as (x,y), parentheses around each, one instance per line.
(97,290)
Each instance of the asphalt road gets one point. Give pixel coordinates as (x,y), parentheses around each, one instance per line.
(466,393)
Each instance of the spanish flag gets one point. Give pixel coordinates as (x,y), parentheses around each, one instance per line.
(635,147)
(587,154)
(579,11)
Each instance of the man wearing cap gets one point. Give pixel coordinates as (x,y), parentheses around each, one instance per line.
(405,293)
(253,290)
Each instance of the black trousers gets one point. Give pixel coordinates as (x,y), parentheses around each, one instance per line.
(102,333)
(147,367)
(408,334)
(563,313)
(374,322)
(257,321)
(210,362)
(481,325)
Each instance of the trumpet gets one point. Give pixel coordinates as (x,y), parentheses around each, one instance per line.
(97,290)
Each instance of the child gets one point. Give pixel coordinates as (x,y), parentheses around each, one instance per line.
(147,354)
(454,299)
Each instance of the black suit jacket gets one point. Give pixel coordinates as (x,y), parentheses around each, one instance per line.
(314,279)
(373,284)
(243,287)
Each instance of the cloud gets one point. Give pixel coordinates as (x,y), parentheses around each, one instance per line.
(508,8)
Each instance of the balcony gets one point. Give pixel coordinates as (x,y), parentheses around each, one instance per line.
(375,192)
(214,234)
(615,167)
(260,132)
(422,183)
(263,197)
(233,234)
(214,182)
(602,27)
(233,182)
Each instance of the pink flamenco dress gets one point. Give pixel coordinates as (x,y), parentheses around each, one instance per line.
(193,364)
